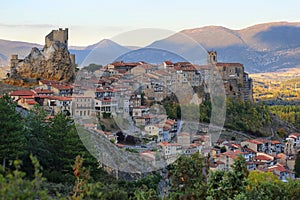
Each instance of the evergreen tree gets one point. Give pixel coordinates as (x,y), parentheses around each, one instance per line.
(37,136)
(65,145)
(12,142)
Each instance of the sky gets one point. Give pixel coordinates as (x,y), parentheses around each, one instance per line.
(90,21)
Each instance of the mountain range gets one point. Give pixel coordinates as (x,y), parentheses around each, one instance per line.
(261,48)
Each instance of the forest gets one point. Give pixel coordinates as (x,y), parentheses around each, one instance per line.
(288,113)
(242,116)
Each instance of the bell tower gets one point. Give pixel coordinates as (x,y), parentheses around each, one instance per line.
(211,57)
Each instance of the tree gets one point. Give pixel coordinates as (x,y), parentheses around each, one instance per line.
(12,142)
(14,185)
(37,137)
(188,177)
(228,184)
(64,145)
(264,185)
(297,165)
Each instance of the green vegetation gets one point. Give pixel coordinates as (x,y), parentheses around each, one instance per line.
(106,115)
(12,143)
(190,179)
(242,116)
(288,113)
(247,116)
(297,165)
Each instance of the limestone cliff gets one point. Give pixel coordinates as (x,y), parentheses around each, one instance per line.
(53,62)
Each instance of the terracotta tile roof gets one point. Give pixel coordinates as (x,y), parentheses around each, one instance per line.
(123,64)
(220,64)
(168,62)
(27,97)
(294,135)
(168,144)
(22,93)
(278,167)
(62,87)
(263,157)
(105,90)
(185,68)
(255,141)
(275,142)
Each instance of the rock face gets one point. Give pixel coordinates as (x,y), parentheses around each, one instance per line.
(53,62)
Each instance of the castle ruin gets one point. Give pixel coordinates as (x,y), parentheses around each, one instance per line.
(53,62)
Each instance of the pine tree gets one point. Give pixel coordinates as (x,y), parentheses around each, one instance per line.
(12,142)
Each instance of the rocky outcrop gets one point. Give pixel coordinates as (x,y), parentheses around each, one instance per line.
(53,62)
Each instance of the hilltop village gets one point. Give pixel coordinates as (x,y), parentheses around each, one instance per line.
(130,91)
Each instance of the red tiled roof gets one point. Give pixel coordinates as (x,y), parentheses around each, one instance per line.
(62,87)
(27,97)
(168,144)
(122,64)
(263,157)
(294,135)
(168,62)
(220,64)
(254,141)
(277,167)
(275,142)
(22,93)
(104,90)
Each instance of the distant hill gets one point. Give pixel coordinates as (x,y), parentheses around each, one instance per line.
(103,52)
(150,55)
(261,48)
(8,47)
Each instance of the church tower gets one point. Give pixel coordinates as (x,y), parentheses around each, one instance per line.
(211,57)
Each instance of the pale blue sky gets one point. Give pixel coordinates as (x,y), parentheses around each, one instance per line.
(90,21)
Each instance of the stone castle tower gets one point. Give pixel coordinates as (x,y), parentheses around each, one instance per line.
(53,62)
(59,35)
